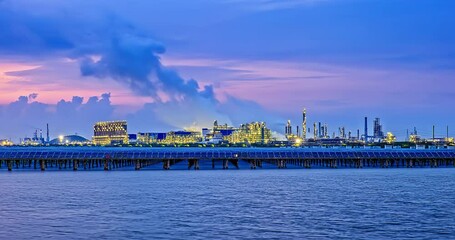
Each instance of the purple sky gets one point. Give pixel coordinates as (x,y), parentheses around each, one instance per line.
(166,65)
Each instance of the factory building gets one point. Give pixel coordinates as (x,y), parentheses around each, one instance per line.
(6,142)
(35,140)
(288,128)
(69,140)
(182,137)
(150,137)
(110,133)
(296,139)
(377,129)
(390,138)
(255,132)
(172,137)
(218,133)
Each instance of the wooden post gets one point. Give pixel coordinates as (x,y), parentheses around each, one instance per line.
(137,165)
(42,165)
(196,164)
(10,165)
(167,165)
(225,164)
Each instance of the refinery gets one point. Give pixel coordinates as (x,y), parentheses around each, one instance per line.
(253,134)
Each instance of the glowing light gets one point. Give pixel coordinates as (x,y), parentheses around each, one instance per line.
(390,138)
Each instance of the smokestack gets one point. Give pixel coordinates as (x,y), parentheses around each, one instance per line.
(319,129)
(304,124)
(366,129)
(47,132)
(315,131)
(433,133)
(407,135)
(447,133)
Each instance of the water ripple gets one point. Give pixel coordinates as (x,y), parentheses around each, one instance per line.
(270,204)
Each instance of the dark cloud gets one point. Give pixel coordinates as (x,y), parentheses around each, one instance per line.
(135,61)
(29,34)
(32,96)
(105,47)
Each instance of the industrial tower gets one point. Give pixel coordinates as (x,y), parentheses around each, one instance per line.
(47,133)
(304,129)
(288,128)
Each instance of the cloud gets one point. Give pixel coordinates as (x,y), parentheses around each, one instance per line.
(134,61)
(27,114)
(33,96)
(109,50)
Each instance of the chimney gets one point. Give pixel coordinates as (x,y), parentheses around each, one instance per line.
(47,133)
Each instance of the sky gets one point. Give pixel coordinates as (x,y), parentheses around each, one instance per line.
(172,64)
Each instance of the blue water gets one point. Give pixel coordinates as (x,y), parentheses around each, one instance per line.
(234,204)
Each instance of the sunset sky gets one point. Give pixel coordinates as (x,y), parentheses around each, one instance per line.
(168,65)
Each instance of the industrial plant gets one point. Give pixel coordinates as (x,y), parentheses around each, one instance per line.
(317,134)
(321,135)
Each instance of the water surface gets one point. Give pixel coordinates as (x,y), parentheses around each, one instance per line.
(233,204)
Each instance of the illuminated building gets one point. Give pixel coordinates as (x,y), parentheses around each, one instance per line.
(255,132)
(35,140)
(149,138)
(294,139)
(224,130)
(218,133)
(69,140)
(390,138)
(290,136)
(182,137)
(173,137)
(5,142)
(414,137)
(110,133)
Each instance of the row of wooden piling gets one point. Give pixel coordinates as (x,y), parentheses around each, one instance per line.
(110,164)
(372,163)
